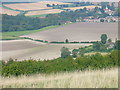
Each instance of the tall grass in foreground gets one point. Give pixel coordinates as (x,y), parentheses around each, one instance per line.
(81,79)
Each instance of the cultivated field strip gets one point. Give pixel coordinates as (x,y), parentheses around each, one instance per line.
(33,6)
(9,12)
(86,79)
(43,12)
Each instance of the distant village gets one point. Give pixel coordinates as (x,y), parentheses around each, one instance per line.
(109,18)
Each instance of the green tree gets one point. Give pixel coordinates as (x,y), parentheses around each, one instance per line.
(75,53)
(102,20)
(48,5)
(103,38)
(117,45)
(65,52)
(66,41)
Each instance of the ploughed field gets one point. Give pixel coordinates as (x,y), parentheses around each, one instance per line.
(26,49)
(78,32)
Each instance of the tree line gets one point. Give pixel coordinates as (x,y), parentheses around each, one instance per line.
(21,22)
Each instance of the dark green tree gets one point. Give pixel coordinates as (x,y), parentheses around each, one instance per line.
(66,41)
(102,20)
(48,5)
(103,38)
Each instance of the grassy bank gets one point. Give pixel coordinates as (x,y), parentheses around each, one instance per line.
(16,34)
(82,79)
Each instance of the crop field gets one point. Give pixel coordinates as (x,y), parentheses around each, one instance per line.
(82,7)
(17,49)
(9,12)
(16,34)
(86,79)
(42,12)
(26,49)
(33,6)
(78,32)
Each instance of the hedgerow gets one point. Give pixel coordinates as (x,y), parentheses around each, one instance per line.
(28,67)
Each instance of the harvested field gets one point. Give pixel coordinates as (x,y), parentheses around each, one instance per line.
(43,12)
(88,7)
(78,32)
(86,79)
(9,12)
(26,49)
(33,6)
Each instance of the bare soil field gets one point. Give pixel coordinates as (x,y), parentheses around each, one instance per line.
(9,12)
(26,49)
(78,32)
(88,7)
(86,79)
(43,12)
(33,6)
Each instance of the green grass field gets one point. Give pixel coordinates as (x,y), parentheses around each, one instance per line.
(16,34)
